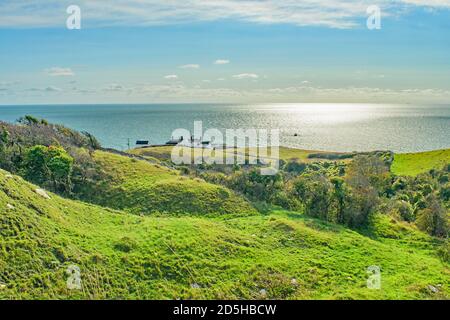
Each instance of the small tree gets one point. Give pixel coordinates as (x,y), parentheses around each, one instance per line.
(340,193)
(369,171)
(60,164)
(315,192)
(4,138)
(367,177)
(295,167)
(92,141)
(445,192)
(359,204)
(404,209)
(434,219)
(35,164)
(49,165)
(29,120)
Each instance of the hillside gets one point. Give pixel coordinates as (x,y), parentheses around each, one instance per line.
(404,164)
(83,171)
(281,255)
(141,187)
(411,164)
(285,154)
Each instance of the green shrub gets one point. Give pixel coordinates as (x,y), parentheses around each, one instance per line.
(48,166)
(315,191)
(445,192)
(444,251)
(434,218)
(125,244)
(295,167)
(405,210)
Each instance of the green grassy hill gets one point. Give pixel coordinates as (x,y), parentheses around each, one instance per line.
(281,255)
(412,164)
(141,187)
(286,154)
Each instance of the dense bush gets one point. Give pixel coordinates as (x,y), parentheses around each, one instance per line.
(50,155)
(315,191)
(49,166)
(434,218)
(295,167)
(342,193)
(255,185)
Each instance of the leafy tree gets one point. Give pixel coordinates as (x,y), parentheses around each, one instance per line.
(340,193)
(405,210)
(295,167)
(255,185)
(29,120)
(315,191)
(399,184)
(434,219)
(35,164)
(445,192)
(370,171)
(367,177)
(60,165)
(92,141)
(4,138)
(49,166)
(359,204)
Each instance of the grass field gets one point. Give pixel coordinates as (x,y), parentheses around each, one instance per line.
(286,154)
(412,164)
(142,188)
(282,255)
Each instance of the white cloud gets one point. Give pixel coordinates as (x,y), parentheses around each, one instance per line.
(358,94)
(190,66)
(171,77)
(47,89)
(114,87)
(222,61)
(246,76)
(177,92)
(327,13)
(429,3)
(9,83)
(52,89)
(59,72)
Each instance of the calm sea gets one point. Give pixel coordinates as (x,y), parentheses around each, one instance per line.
(333,127)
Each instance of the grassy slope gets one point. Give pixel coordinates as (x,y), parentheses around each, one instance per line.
(129,256)
(412,164)
(140,187)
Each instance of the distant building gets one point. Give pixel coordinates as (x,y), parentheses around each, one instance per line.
(190,142)
(174,141)
(142,143)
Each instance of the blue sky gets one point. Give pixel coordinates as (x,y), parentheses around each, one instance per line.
(224,51)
